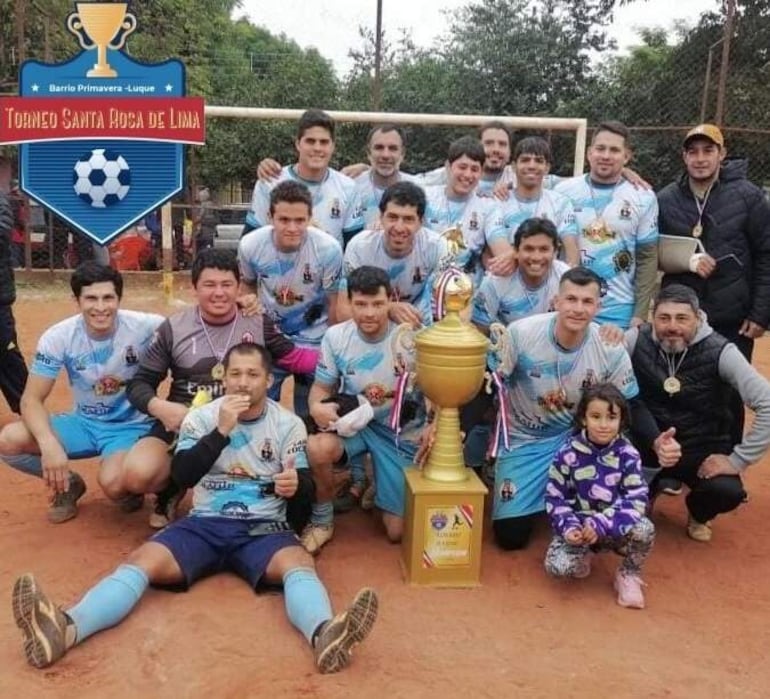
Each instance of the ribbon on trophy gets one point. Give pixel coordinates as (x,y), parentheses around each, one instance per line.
(402,346)
(449,274)
(499,360)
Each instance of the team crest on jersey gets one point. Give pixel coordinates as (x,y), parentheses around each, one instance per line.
(80,364)
(307,275)
(623,260)
(507,490)
(130,355)
(555,400)
(335,211)
(417,276)
(108,385)
(286,296)
(625,210)
(377,394)
(589,379)
(247,337)
(473,223)
(266,452)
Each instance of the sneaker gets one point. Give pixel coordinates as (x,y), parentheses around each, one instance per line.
(367,499)
(340,635)
(699,531)
(43,624)
(130,503)
(64,506)
(629,589)
(314,536)
(670,486)
(347,499)
(166,504)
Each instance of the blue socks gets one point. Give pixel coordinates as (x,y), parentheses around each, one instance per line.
(26,463)
(109,601)
(323,513)
(307,604)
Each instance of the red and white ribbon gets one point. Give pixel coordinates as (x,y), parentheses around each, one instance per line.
(398,402)
(501,423)
(446,276)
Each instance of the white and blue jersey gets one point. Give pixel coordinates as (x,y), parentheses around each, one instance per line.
(505,299)
(477,218)
(369,195)
(98,370)
(556,207)
(293,286)
(544,389)
(410,276)
(614,221)
(239,483)
(370,369)
(336,207)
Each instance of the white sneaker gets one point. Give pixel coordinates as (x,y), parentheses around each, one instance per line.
(315,536)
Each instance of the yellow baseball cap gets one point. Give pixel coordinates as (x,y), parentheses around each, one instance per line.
(709,131)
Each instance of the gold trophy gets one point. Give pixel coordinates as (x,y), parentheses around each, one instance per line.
(445,500)
(102,25)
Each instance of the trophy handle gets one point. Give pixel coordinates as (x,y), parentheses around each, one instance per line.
(127,26)
(500,350)
(75,26)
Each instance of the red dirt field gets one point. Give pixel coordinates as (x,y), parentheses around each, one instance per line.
(704,634)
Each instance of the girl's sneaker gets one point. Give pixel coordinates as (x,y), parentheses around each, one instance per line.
(629,589)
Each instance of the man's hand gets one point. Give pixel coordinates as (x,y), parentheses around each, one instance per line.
(636,321)
(574,537)
(268,169)
(354,170)
(589,533)
(503,265)
(402,312)
(668,450)
(170,414)
(55,466)
(635,178)
(250,305)
(611,334)
(703,265)
(502,190)
(286,481)
(229,410)
(751,329)
(717,465)
(427,438)
(324,413)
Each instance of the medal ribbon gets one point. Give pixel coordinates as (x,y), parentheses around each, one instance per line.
(398,402)
(501,422)
(443,281)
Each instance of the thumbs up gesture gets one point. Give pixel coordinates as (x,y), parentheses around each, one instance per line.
(286,481)
(668,450)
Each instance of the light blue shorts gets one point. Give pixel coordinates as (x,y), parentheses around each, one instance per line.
(389,463)
(82,438)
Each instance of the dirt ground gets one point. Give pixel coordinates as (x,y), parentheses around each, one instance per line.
(704,634)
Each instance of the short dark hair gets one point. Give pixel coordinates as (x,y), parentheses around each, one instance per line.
(215,258)
(467,145)
(536,226)
(92,272)
(581,276)
(616,127)
(610,394)
(494,124)
(244,349)
(677,293)
(404,194)
(291,192)
(385,128)
(533,145)
(368,280)
(315,117)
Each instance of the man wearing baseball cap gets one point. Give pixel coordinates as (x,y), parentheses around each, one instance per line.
(714,203)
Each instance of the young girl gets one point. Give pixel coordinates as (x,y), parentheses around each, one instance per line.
(596,497)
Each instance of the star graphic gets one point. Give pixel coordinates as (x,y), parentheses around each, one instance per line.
(169,87)
(35,87)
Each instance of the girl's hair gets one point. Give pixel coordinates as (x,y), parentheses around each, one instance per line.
(610,394)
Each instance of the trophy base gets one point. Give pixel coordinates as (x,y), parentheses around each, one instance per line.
(100,71)
(441,545)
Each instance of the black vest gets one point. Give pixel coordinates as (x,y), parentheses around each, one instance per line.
(700,410)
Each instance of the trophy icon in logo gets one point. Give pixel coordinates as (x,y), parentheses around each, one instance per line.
(102,25)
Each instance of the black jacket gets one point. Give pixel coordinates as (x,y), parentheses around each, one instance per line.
(736,221)
(7,284)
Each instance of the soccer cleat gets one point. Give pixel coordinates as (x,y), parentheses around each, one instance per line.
(43,624)
(629,589)
(64,506)
(699,531)
(340,635)
(166,505)
(315,536)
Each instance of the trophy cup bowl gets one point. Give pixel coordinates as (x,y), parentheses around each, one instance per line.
(96,24)
(451,361)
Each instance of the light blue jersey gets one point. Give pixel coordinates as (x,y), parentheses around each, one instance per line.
(556,207)
(410,276)
(98,370)
(336,207)
(369,195)
(505,299)
(293,286)
(614,221)
(238,484)
(544,389)
(486,184)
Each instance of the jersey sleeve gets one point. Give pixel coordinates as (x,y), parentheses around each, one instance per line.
(294,444)
(621,372)
(485,303)
(354,215)
(158,356)
(196,424)
(494,226)
(327,372)
(332,267)
(567,220)
(647,232)
(246,247)
(260,205)
(49,355)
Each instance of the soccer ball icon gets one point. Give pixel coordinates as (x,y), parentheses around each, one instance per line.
(101,178)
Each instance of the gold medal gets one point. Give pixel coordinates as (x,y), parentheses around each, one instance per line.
(697,230)
(218,371)
(672,385)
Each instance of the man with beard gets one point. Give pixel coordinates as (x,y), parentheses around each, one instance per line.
(684,370)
